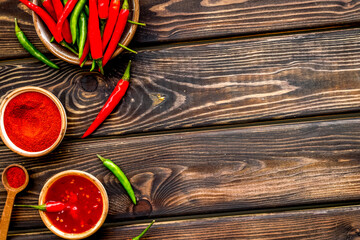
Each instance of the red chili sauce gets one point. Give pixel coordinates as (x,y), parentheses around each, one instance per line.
(83,200)
(32,121)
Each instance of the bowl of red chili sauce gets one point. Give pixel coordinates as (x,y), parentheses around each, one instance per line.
(86,204)
(32,121)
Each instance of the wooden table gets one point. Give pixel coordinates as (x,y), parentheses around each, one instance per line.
(241,121)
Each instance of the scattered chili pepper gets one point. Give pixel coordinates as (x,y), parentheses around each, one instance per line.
(50,23)
(30,48)
(49,8)
(110,24)
(137,23)
(82,33)
(85,51)
(126,48)
(95,35)
(65,13)
(142,234)
(65,30)
(50,206)
(74,18)
(103,6)
(120,175)
(111,103)
(118,31)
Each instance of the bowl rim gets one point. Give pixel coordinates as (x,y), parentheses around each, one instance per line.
(67,56)
(97,183)
(5,138)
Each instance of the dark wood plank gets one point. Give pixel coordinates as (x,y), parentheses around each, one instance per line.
(207,84)
(210,172)
(331,224)
(177,20)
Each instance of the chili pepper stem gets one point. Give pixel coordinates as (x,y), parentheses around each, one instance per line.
(40,207)
(101,158)
(99,63)
(146,229)
(137,23)
(126,48)
(126,75)
(64,44)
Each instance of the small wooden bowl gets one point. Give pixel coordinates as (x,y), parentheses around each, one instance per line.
(64,54)
(91,231)
(4,135)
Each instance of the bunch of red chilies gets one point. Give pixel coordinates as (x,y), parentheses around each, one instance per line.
(101,39)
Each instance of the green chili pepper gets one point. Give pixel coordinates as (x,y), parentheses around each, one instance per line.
(82,32)
(30,48)
(87,11)
(52,39)
(120,175)
(75,17)
(142,234)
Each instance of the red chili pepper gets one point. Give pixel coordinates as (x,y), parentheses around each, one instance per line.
(50,23)
(112,101)
(50,206)
(103,9)
(59,7)
(119,29)
(49,8)
(62,19)
(110,24)
(95,34)
(85,51)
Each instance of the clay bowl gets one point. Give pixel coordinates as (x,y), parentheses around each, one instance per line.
(92,230)
(4,135)
(64,54)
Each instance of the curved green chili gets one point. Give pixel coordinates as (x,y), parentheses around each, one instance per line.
(82,32)
(30,48)
(74,18)
(120,175)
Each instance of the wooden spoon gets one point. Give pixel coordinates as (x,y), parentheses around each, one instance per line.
(6,215)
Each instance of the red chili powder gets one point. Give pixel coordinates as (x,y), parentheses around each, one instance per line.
(32,121)
(15,177)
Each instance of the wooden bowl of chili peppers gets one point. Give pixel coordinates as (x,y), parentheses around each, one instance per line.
(85,32)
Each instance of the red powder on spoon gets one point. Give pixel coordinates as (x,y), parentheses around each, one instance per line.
(16,177)
(32,121)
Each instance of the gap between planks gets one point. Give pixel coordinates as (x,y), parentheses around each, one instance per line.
(203,41)
(247,213)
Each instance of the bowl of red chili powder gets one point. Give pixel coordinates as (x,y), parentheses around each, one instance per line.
(86,204)
(32,121)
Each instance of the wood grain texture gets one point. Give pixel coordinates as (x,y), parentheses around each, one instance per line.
(207,84)
(209,172)
(331,224)
(178,20)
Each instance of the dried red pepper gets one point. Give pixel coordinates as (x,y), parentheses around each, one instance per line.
(103,9)
(112,101)
(119,29)
(95,35)
(62,20)
(110,24)
(50,23)
(65,31)
(49,8)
